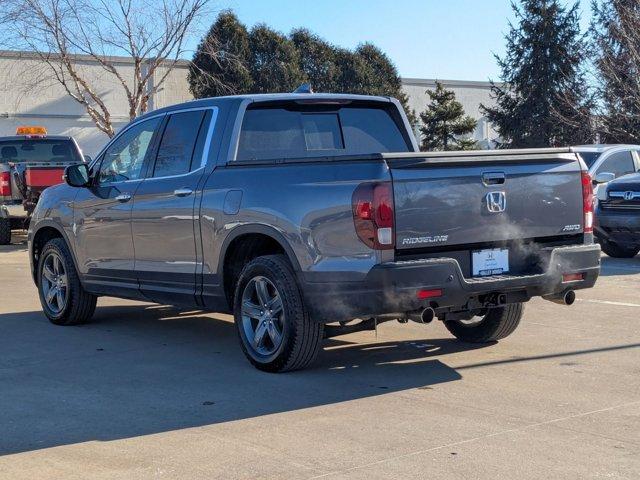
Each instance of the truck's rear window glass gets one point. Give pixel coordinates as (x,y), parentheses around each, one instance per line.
(38,150)
(275,133)
(322,131)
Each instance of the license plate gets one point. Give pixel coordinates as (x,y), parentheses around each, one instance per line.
(493,261)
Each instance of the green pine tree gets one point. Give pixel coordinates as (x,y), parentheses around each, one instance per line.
(220,65)
(445,123)
(317,60)
(274,61)
(544,100)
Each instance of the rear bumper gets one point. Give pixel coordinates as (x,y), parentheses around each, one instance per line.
(12,210)
(392,287)
(620,227)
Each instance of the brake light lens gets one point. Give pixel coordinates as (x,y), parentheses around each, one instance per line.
(572,277)
(424,294)
(373,214)
(5,184)
(587,202)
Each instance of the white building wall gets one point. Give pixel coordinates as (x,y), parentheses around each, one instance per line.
(29,96)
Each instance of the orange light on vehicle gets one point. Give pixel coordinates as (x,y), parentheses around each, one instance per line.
(30,130)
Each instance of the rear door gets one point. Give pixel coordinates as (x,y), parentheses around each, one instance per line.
(448,202)
(102,212)
(163,215)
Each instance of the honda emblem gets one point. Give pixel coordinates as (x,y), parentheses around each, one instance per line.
(496,202)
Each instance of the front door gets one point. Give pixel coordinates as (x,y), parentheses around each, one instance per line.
(102,213)
(163,215)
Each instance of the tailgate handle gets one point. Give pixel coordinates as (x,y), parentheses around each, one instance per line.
(493,178)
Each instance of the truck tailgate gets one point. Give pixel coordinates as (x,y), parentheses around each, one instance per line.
(481,198)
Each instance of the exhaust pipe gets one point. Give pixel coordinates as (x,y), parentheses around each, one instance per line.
(566,298)
(422,316)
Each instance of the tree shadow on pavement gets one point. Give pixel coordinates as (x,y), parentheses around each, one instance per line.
(137,371)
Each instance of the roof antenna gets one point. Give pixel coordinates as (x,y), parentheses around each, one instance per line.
(304,88)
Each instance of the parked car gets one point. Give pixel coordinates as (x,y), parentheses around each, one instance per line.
(30,161)
(300,213)
(617,225)
(608,162)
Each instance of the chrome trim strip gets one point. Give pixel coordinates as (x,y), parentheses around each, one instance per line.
(626,195)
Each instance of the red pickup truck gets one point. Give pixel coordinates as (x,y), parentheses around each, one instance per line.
(30,161)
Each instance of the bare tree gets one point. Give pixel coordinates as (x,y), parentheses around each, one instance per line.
(616,48)
(63,33)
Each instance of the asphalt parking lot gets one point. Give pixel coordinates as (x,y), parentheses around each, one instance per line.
(147,391)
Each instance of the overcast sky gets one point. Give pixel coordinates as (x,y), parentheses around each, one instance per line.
(446,39)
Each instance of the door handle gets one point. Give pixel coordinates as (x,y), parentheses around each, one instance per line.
(493,178)
(182,192)
(123,197)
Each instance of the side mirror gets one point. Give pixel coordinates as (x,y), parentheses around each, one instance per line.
(77,175)
(604,177)
(87,158)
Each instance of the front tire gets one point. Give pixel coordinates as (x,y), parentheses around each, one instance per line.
(616,251)
(5,231)
(497,323)
(62,297)
(275,331)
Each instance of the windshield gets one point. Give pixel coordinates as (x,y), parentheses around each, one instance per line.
(589,157)
(38,150)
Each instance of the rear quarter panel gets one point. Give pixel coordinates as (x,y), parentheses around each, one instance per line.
(308,204)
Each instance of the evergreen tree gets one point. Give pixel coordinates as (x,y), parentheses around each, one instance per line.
(317,60)
(274,61)
(220,64)
(231,61)
(544,100)
(616,45)
(444,122)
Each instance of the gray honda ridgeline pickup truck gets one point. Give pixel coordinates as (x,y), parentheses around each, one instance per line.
(309,216)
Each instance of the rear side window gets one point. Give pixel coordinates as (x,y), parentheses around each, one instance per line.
(176,150)
(275,133)
(39,150)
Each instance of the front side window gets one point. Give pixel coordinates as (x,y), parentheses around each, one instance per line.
(619,163)
(176,151)
(124,158)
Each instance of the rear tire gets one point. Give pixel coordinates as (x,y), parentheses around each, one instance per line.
(5,231)
(69,304)
(498,323)
(616,251)
(270,281)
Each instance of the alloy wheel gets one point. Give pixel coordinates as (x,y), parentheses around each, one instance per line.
(262,316)
(54,283)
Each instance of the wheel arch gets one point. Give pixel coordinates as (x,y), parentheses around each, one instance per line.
(45,232)
(243,244)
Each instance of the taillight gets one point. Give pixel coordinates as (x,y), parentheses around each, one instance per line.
(372,205)
(5,184)
(587,202)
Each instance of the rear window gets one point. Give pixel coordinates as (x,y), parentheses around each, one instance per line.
(38,150)
(299,132)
